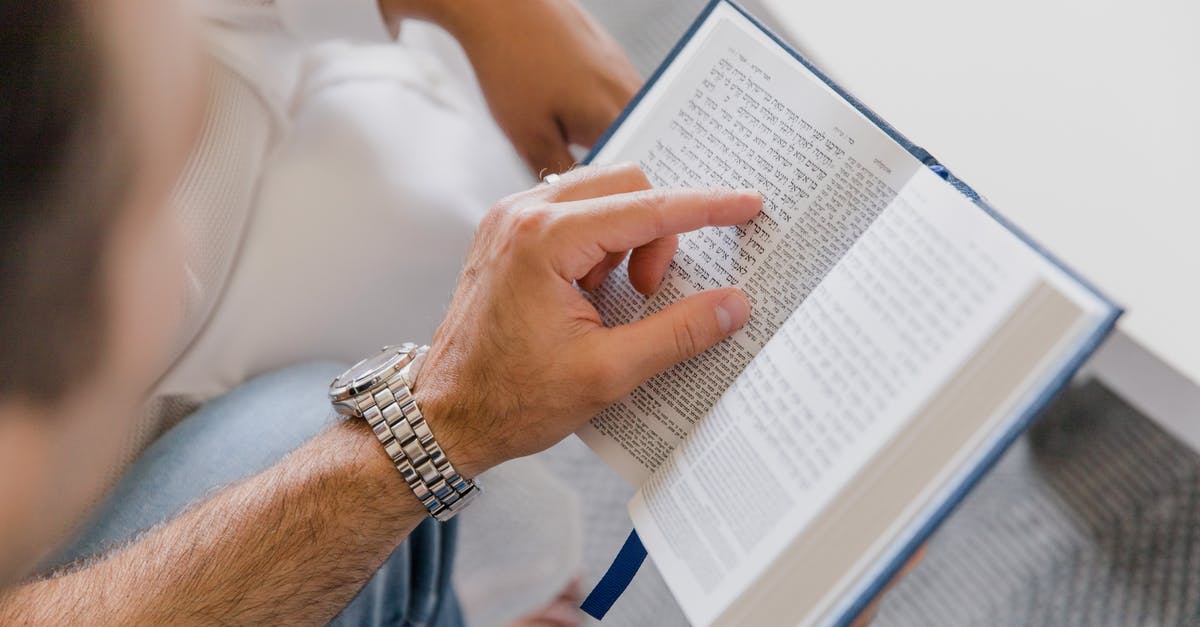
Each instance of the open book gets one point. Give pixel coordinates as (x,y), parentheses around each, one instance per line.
(902,336)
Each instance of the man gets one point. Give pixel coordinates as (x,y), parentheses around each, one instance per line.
(266,288)
(100,106)
(322,128)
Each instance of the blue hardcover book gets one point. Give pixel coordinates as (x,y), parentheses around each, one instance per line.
(903,335)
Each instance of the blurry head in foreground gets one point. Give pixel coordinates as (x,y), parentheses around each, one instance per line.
(99,104)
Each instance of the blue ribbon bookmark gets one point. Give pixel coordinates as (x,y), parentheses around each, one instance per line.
(629,559)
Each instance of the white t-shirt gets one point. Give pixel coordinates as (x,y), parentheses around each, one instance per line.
(333,194)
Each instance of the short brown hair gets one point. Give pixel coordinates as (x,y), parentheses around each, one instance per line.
(61,187)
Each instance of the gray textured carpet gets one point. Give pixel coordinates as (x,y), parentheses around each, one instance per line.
(1091,519)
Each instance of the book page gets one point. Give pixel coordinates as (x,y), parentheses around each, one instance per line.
(735,110)
(911,301)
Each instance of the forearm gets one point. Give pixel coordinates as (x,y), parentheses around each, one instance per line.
(292,544)
(458,17)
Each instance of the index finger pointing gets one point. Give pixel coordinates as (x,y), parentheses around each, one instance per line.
(622,222)
(597,180)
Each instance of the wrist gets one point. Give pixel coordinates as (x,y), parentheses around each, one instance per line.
(380,390)
(368,466)
(446,413)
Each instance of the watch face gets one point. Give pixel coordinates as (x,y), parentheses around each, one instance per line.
(370,365)
(368,368)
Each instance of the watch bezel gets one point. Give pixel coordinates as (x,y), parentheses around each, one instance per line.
(341,391)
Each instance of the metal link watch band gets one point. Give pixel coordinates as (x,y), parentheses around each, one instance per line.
(393,414)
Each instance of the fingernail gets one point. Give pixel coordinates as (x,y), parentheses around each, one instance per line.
(750,193)
(732,312)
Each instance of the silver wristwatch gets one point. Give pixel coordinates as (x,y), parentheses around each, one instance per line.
(378,389)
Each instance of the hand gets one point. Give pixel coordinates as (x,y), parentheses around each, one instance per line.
(551,75)
(522,358)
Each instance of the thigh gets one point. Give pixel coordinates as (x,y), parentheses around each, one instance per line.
(413,587)
(239,435)
(230,438)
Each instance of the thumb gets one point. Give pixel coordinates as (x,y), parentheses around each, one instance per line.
(681,331)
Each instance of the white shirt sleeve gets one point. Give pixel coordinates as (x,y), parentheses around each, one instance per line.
(316,20)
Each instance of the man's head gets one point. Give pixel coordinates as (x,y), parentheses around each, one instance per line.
(99,102)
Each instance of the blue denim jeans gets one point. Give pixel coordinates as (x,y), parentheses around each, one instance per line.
(243,433)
